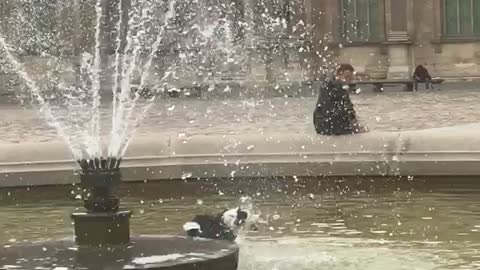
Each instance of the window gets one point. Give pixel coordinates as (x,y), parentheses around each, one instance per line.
(461,18)
(360,20)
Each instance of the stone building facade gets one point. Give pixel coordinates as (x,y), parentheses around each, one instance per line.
(283,41)
(388,38)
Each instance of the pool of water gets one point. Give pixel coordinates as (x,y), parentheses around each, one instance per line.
(306,224)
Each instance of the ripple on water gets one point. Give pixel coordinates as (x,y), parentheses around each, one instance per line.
(331,253)
(384,230)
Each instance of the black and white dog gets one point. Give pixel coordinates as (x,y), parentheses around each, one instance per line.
(224,226)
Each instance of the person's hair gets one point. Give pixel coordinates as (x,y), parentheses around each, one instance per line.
(344,67)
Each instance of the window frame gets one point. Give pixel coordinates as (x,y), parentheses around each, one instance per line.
(379,30)
(475,33)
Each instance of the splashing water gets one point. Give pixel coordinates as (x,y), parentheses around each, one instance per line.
(73,107)
(36,94)
(138,49)
(124,106)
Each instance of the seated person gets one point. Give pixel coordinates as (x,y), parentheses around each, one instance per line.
(421,75)
(334,113)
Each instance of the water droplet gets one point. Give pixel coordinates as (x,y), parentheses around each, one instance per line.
(186,175)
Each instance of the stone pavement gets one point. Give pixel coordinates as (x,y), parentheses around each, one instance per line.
(389,111)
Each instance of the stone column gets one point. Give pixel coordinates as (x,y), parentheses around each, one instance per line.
(399,26)
(3,15)
(332,20)
(249,35)
(77,50)
(248,7)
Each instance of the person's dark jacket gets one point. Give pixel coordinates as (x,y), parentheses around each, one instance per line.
(334,113)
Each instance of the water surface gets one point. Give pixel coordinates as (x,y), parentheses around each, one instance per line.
(307,224)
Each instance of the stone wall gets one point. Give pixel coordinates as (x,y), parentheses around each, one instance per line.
(412,36)
(446,58)
(292,44)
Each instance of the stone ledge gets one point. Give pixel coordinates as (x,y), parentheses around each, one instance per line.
(435,152)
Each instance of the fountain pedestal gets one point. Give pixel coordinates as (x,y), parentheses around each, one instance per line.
(102,224)
(100,228)
(143,252)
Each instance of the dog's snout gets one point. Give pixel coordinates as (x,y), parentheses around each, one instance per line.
(239,222)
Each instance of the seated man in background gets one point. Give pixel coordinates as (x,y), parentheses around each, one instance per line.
(334,113)
(421,75)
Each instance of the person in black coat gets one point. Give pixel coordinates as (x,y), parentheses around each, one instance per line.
(334,113)
(421,75)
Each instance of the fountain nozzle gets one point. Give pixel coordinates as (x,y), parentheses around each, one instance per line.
(100,177)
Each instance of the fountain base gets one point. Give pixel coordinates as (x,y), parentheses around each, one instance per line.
(102,237)
(97,229)
(144,252)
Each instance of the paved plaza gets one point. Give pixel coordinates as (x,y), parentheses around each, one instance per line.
(455,104)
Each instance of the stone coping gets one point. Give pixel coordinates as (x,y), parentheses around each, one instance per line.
(435,152)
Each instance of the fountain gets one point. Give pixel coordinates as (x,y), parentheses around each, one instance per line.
(102,237)
(132,50)
(102,231)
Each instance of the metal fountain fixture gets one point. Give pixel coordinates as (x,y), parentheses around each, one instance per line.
(103,223)
(101,177)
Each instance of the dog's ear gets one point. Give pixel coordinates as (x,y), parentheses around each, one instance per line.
(241,214)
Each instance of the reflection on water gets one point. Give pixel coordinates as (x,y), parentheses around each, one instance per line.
(305,225)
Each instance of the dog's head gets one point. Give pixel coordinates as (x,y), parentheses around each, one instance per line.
(238,218)
(234,218)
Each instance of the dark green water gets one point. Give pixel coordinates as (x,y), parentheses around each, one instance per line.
(307,224)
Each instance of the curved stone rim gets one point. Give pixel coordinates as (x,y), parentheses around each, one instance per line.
(452,151)
(144,252)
